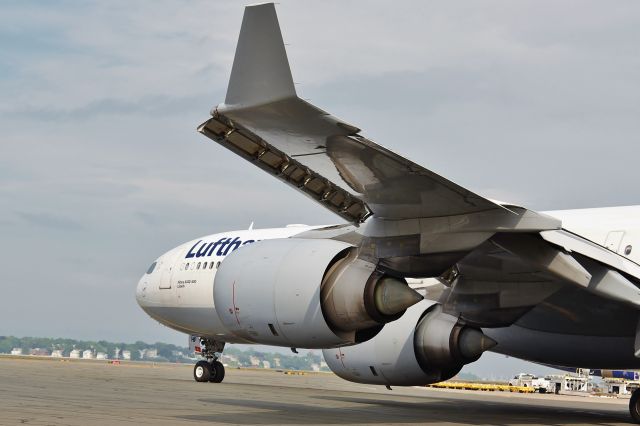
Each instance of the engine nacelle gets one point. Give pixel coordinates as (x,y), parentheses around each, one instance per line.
(424,346)
(306,293)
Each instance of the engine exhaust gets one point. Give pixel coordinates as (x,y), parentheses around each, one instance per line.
(355,296)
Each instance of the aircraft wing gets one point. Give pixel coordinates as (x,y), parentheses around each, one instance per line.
(264,121)
(422,223)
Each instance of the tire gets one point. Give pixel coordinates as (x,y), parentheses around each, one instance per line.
(634,406)
(218,376)
(202,371)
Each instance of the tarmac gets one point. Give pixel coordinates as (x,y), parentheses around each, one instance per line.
(77,392)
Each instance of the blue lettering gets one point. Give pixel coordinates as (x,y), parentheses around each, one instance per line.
(203,250)
(213,246)
(235,244)
(191,254)
(222,246)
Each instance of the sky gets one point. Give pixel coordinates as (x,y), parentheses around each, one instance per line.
(102,170)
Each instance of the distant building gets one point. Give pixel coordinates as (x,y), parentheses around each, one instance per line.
(101,355)
(619,386)
(148,353)
(315,367)
(87,354)
(16,351)
(266,364)
(126,355)
(229,358)
(75,353)
(116,353)
(39,352)
(276,361)
(323,365)
(255,362)
(559,383)
(56,353)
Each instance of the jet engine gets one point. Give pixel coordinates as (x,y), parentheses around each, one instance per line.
(425,346)
(306,293)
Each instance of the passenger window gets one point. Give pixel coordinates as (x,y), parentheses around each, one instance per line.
(198,267)
(627,250)
(211,265)
(218,265)
(152,267)
(186,268)
(204,265)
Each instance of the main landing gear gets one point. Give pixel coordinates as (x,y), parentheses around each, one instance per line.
(205,371)
(209,370)
(634,406)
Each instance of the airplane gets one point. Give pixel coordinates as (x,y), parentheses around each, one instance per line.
(558,288)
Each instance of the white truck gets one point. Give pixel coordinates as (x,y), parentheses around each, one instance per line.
(539,384)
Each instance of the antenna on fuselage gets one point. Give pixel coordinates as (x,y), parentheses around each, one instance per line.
(250,226)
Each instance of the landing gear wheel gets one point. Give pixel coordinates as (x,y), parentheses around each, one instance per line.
(202,371)
(634,406)
(218,376)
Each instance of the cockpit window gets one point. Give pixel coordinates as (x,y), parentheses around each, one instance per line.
(152,267)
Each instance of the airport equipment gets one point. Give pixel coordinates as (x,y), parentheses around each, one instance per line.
(559,288)
(615,386)
(538,384)
(489,387)
(559,383)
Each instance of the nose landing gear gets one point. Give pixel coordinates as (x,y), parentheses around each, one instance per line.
(209,370)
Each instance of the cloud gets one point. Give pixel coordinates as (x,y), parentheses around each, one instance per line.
(101,169)
(47,220)
(156,106)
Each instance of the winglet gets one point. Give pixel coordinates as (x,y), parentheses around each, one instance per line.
(260,72)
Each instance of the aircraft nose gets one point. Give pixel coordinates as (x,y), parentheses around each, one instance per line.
(141,291)
(144,289)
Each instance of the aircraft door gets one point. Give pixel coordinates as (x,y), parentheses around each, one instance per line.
(167,264)
(165,278)
(614,238)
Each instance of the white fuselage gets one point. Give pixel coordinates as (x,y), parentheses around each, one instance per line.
(178,292)
(615,228)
